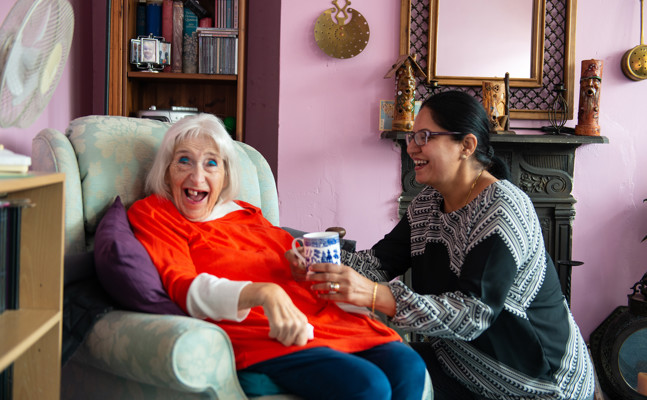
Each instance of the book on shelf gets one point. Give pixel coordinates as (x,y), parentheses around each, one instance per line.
(190,42)
(197,8)
(226,14)
(154,17)
(235,15)
(6,383)
(167,26)
(4,250)
(10,222)
(178,28)
(140,12)
(10,231)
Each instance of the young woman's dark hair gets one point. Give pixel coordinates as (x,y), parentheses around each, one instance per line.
(459,112)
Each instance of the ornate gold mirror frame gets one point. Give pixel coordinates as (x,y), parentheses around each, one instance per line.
(552,55)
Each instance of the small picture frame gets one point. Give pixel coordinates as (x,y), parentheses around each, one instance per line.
(149,51)
(164,53)
(135,51)
(386,113)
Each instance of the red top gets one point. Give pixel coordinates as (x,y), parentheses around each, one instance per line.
(244,246)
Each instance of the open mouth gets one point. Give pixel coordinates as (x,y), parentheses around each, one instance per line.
(420,163)
(195,195)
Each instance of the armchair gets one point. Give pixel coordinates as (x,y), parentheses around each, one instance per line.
(110,352)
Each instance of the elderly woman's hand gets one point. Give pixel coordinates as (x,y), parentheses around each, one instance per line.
(288,324)
(297,265)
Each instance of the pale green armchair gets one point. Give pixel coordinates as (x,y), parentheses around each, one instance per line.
(126,354)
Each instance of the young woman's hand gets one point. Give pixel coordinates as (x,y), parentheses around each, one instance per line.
(343,284)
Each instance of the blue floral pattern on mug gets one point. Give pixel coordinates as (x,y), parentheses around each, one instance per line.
(320,247)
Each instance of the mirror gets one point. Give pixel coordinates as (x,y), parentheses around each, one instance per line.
(632,357)
(461,43)
(512,44)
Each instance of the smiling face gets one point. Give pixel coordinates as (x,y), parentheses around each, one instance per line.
(196,177)
(437,162)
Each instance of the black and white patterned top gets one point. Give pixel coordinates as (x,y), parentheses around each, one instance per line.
(485,295)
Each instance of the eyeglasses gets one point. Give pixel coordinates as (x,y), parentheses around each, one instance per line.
(422,136)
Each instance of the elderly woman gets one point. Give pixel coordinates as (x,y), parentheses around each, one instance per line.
(485,295)
(220,260)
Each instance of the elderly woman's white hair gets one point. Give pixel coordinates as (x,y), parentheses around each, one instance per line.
(201,125)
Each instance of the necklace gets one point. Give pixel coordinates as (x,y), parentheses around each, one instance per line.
(472,188)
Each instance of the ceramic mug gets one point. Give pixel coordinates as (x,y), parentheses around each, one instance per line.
(318,247)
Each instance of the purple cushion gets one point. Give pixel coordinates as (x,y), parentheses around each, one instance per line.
(124,267)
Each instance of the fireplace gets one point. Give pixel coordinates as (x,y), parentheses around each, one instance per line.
(542,166)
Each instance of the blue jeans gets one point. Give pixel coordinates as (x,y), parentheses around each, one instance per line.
(389,371)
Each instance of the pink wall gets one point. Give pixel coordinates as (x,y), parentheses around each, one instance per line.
(334,170)
(82,77)
(333,167)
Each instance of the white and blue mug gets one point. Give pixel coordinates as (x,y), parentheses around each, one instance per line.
(318,247)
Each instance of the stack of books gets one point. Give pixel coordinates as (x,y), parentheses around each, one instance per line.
(11,162)
(217,51)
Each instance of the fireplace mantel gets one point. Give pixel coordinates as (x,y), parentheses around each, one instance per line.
(542,166)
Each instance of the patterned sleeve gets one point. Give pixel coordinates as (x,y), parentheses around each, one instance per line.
(388,259)
(466,313)
(501,268)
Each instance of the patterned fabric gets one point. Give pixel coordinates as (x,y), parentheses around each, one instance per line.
(485,295)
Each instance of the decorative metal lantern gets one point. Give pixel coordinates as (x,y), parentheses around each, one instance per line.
(150,53)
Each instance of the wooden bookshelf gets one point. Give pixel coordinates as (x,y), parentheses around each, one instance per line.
(31,336)
(131,90)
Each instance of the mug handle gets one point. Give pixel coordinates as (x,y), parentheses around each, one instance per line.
(294,247)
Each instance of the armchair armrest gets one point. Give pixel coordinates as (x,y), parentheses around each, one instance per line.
(177,352)
(53,152)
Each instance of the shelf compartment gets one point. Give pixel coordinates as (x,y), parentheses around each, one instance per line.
(21,329)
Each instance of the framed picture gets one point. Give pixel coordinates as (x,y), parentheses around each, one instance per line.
(149,51)
(386,113)
(135,51)
(165,53)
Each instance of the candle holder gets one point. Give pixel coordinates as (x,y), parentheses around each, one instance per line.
(558,111)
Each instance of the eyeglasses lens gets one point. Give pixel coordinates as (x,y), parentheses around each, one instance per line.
(419,137)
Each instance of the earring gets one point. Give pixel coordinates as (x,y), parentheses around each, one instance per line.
(463,157)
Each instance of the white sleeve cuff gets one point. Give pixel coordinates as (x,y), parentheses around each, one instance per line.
(215,298)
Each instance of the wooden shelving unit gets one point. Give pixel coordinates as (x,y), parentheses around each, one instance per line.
(30,337)
(131,90)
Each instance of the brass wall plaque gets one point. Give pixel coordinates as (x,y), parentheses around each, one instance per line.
(341,39)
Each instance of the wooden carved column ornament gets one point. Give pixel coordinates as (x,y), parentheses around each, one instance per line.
(405,70)
(589,109)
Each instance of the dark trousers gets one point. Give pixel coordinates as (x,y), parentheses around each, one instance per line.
(388,371)
(445,387)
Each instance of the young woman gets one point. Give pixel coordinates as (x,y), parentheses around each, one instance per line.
(485,294)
